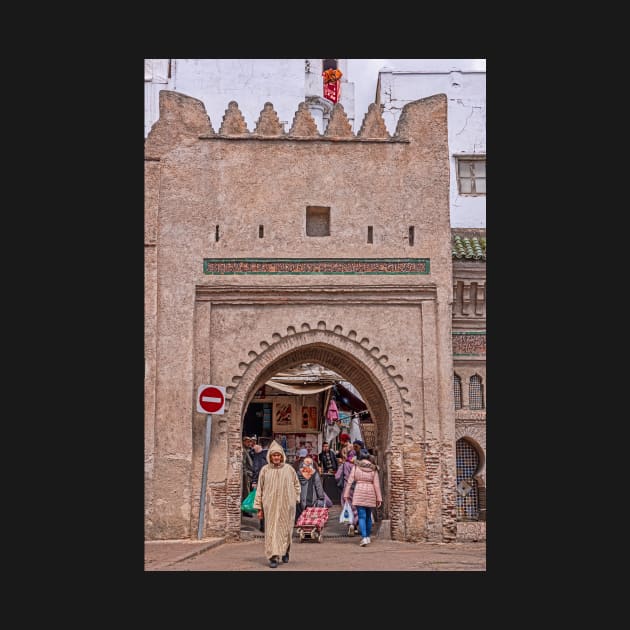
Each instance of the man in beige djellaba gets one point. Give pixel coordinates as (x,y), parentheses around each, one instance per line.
(277,493)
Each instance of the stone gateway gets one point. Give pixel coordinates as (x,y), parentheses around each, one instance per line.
(269,249)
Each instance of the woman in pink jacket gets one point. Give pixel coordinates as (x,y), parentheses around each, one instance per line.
(367,493)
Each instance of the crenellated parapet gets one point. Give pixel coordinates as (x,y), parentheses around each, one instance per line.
(184,119)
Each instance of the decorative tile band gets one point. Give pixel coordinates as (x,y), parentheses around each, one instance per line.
(228,266)
(469,343)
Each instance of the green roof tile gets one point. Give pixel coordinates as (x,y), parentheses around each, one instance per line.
(469,247)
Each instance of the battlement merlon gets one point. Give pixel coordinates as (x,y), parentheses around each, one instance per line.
(182,120)
(425,121)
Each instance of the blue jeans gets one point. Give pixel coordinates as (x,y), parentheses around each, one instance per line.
(365,520)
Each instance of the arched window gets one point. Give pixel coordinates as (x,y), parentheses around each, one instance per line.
(467,461)
(475,392)
(457,391)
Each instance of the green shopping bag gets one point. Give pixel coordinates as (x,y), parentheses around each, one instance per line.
(248,503)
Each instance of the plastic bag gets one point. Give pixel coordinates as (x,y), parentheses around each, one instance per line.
(248,502)
(346,513)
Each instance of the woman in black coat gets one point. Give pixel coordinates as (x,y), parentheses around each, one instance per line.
(312,490)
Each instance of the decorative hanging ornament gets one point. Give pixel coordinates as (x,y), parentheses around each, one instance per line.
(332,84)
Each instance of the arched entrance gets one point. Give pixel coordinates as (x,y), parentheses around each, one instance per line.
(356,363)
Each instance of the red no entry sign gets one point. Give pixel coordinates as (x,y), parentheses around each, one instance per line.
(211,399)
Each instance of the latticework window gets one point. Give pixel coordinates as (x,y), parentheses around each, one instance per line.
(457,391)
(467,491)
(475,392)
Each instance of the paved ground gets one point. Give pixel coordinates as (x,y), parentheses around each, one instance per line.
(333,555)
(214,554)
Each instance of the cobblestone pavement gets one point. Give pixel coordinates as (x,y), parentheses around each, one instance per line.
(381,555)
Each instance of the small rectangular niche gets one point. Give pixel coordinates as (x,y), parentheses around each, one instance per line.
(370,234)
(216,233)
(412,234)
(317,221)
(261,231)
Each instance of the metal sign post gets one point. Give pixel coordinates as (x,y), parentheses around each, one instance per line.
(204,477)
(210,400)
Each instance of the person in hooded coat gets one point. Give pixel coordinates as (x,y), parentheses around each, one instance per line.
(277,493)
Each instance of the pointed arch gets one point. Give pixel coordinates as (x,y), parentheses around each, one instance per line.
(476,436)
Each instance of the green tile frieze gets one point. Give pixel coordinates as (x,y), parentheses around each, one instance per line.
(345,266)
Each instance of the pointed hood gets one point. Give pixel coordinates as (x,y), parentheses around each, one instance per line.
(274,447)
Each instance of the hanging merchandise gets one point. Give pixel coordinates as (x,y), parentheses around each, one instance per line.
(355,429)
(331,432)
(344,422)
(333,412)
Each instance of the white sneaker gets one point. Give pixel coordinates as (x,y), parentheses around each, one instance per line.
(368,539)
(351,530)
(364,541)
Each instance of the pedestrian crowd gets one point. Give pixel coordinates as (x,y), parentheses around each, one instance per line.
(285,491)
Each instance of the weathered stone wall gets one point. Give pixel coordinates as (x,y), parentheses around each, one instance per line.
(388,332)
(468,531)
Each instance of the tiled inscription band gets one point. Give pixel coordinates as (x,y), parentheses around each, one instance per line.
(227,266)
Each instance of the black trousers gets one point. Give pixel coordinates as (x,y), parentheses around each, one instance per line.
(331,489)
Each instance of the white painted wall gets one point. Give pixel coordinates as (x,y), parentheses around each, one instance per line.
(155,79)
(249,82)
(464,83)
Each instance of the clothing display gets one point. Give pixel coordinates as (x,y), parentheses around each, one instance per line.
(333,412)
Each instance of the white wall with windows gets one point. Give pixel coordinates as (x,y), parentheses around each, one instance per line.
(464,83)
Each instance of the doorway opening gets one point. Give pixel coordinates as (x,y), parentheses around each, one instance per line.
(303,408)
